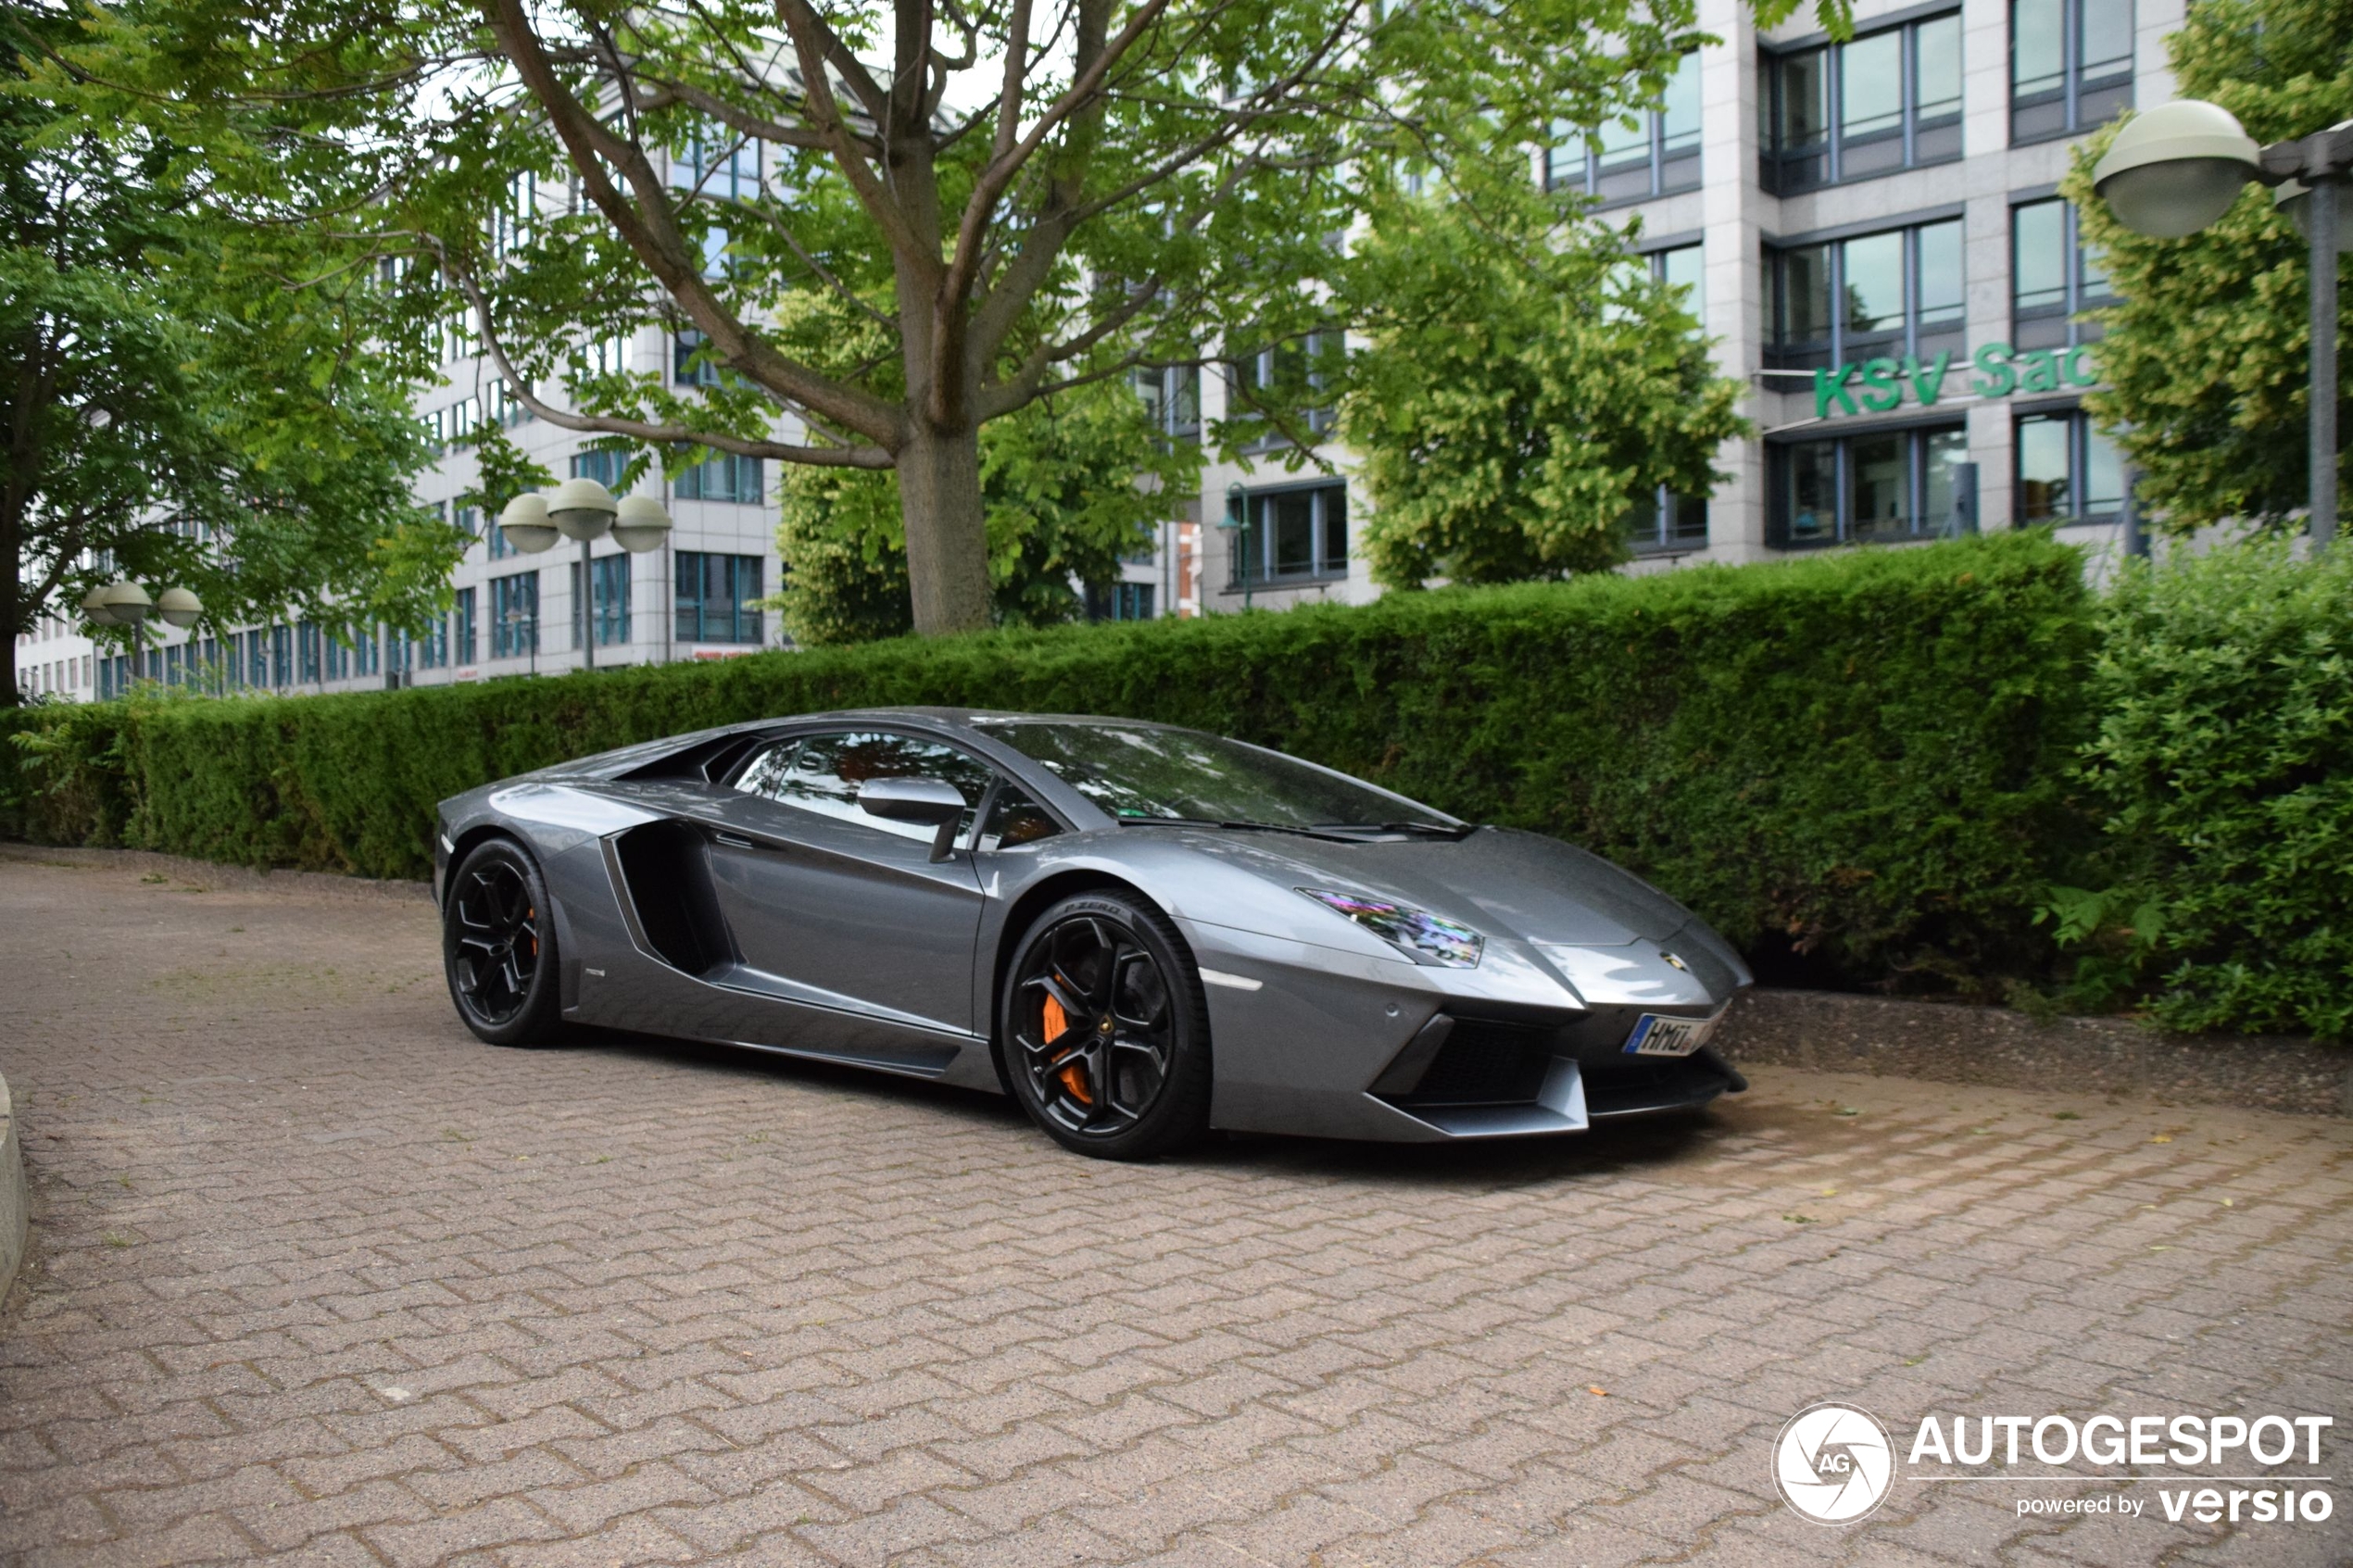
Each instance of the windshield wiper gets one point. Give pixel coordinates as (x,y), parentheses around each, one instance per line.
(1424,829)
(1250,827)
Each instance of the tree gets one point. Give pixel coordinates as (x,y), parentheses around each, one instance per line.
(172,412)
(1021,200)
(2208,357)
(1069,485)
(1523,387)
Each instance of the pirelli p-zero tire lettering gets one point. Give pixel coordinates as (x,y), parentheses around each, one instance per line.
(498,947)
(1105,1030)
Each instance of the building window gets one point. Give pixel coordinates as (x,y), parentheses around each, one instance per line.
(716,165)
(339,658)
(601,466)
(281,655)
(1890,294)
(1665,523)
(1678,267)
(718,597)
(1283,376)
(1291,536)
(723,476)
(462,643)
(1120,601)
(2066,470)
(1887,100)
(1172,400)
(367,652)
(2070,66)
(686,368)
(514,615)
(1875,488)
(608,577)
(494,540)
(432,644)
(2052,277)
(1618,162)
(306,640)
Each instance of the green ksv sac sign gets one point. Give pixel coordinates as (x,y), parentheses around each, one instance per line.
(1876,386)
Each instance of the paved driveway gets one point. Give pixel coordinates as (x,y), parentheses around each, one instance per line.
(320,1275)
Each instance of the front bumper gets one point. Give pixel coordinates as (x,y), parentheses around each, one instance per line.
(1318,1041)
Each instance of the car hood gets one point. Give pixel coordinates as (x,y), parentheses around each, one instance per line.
(1497,881)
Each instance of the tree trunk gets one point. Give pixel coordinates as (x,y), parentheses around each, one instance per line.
(947,538)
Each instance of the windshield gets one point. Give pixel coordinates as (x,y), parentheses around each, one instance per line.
(1139,773)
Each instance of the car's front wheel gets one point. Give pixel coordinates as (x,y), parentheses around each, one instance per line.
(1105,1031)
(498,947)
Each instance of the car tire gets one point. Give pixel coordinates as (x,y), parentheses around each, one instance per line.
(1154,1052)
(498,947)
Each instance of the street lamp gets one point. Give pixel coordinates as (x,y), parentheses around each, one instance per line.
(524,523)
(2178,167)
(127,605)
(583,509)
(1235,525)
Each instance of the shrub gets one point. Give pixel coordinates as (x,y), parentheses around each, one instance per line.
(2224,767)
(1860,759)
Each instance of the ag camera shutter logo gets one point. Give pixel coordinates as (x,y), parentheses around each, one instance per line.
(1833,1462)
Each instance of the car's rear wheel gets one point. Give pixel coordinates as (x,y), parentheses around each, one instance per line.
(1105,1031)
(498,947)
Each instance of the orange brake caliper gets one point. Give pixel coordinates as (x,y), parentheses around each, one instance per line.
(1072,1073)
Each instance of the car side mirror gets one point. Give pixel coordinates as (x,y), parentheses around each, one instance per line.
(917,800)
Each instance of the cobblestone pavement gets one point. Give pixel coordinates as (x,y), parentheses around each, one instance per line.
(320,1275)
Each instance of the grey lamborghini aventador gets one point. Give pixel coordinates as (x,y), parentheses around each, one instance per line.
(1139,932)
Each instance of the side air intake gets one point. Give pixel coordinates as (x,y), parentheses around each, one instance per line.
(667,882)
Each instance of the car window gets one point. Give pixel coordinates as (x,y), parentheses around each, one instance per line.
(1015,820)
(1145,771)
(820,773)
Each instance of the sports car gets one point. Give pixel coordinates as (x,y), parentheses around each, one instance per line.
(1138,931)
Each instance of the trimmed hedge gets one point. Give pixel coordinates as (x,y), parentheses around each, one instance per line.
(1856,762)
(2224,771)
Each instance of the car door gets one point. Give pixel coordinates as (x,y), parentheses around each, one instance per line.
(848,910)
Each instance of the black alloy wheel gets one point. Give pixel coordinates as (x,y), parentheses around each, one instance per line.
(498,947)
(1106,1031)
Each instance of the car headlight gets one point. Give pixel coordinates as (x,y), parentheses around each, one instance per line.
(1418,934)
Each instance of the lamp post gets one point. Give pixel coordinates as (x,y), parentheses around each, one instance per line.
(1235,525)
(2180,167)
(127,605)
(583,509)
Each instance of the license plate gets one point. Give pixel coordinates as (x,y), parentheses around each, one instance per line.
(1656,1035)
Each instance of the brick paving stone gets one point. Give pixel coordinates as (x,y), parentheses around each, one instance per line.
(319,1279)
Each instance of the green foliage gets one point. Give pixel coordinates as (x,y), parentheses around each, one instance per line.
(1858,758)
(191,402)
(1068,486)
(1038,200)
(2223,768)
(2208,358)
(1521,388)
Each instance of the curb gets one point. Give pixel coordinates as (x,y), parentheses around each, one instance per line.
(1994,1047)
(13,1225)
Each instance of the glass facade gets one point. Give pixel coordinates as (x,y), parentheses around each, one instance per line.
(1290,535)
(1616,161)
(1884,101)
(2070,66)
(609,584)
(1872,487)
(722,476)
(718,597)
(462,645)
(2066,470)
(1894,293)
(514,615)
(2052,277)
(1665,523)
